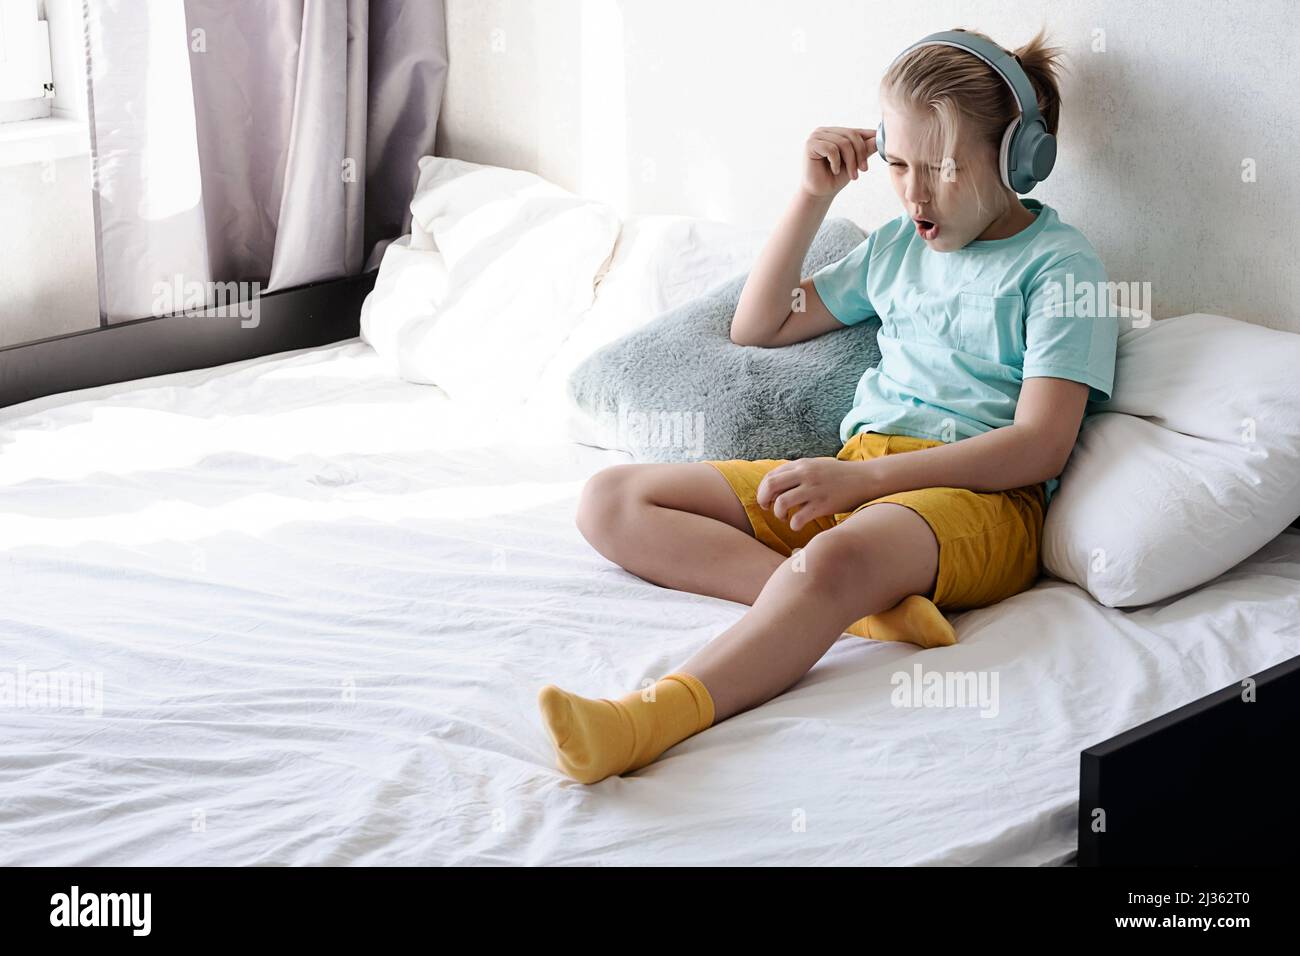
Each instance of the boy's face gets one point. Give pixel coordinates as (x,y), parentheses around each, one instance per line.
(949,201)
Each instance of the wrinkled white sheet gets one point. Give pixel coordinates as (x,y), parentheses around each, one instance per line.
(321,606)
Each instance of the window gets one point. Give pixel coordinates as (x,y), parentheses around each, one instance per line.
(47,245)
(26,81)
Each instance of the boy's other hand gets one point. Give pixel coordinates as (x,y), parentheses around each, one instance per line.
(807,488)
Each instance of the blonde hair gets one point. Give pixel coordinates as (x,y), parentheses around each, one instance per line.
(968,98)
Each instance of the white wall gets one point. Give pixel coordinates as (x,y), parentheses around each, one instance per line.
(48,284)
(700,108)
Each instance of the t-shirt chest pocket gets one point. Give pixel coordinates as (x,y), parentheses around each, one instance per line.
(992,327)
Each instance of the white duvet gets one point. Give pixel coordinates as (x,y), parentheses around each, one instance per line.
(319,605)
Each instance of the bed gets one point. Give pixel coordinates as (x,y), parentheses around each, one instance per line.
(318,602)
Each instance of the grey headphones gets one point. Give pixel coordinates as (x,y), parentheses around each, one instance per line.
(1028,150)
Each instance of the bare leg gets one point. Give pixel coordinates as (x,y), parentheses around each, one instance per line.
(863,566)
(676,525)
(871,562)
(681,526)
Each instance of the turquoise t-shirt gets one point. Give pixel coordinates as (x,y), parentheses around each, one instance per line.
(960,331)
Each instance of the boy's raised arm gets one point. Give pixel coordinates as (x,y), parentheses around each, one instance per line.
(833,156)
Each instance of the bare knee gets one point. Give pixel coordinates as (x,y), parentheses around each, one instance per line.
(605,503)
(855,572)
(836,564)
(872,561)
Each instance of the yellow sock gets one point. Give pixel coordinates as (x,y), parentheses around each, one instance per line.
(595,739)
(915,619)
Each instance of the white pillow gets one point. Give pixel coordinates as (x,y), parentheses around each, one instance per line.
(409,286)
(660,261)
(1193,466)
(499,267)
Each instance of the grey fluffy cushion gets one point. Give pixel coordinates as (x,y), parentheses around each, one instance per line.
(678,388)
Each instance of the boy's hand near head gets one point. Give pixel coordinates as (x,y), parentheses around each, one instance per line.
(833,156)
(765,315)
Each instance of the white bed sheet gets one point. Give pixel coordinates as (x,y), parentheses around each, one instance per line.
(322,606)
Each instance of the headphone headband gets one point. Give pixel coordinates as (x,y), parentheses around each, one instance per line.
(1028,150)
(1006,65)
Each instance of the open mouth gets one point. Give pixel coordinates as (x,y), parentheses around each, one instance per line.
(926,228)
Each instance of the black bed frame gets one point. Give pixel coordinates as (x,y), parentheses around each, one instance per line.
(1209,784)
(298,318)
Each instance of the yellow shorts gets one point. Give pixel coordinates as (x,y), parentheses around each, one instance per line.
(988,541)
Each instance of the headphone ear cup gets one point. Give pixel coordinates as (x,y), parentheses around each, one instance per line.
(1005,152)
(1043,154)
(880,141)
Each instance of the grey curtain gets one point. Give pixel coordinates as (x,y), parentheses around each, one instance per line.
(273,141)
